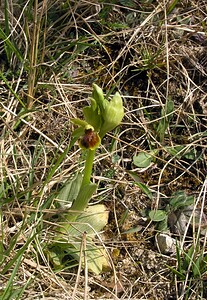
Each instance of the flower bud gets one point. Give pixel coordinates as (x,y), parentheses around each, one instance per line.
(112,114)
(98,95)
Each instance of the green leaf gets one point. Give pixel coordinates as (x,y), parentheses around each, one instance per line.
(115,158)
(133,230)
(129,3)
(143,160)
(95,256)
(196,267)
(123,217)
(176,151)
(157,215)
(145,189)
(180,272)
(168,110)
(10,46)
(70,190)
(180,275)
(179,151)
(188,258)
(181,200)
(171,6)
(166,114)
(91,221)
(87,225)
(78,206)
(141,185)
(163,225)
(10,87)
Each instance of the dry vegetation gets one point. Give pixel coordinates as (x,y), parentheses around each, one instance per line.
(152,52)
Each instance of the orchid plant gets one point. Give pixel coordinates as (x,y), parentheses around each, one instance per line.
(100,117)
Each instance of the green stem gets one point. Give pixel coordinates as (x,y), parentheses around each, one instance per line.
(86,191)
(88,167)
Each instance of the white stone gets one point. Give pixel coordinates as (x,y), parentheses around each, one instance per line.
(165,243)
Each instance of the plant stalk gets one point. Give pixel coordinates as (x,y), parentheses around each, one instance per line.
(88,167)
(86,191)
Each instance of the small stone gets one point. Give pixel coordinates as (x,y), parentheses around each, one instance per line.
(165,243)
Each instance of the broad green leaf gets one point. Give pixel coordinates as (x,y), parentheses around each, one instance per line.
(142,160)
(163,225)
(179,151)
(92,221)
(78,207)
(87,224)
(96,257)
(70,191)
(181,200)
(84,195)
(157,215)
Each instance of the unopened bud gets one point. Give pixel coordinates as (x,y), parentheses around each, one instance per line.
(113,114)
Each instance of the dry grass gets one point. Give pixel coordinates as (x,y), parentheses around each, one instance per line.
(150,53)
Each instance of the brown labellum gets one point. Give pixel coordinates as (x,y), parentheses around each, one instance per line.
(90,140)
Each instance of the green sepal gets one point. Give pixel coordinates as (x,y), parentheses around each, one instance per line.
(113,114)
(92,115)
(79,122)
(98,95)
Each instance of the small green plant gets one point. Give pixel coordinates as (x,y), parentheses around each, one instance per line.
(178,202)
(99,118)
(190,270)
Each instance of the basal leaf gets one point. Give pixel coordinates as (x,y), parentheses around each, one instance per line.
(91,221)
(141,185)
(181,200)
(142,160)
(87,225)
(157,215)
(145,189)
(70,191)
